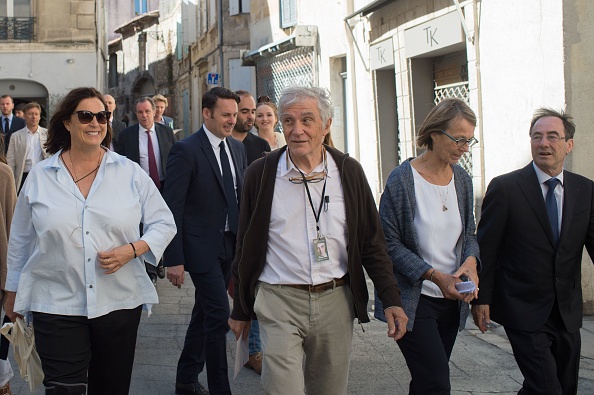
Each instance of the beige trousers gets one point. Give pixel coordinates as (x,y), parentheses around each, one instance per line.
(306,339)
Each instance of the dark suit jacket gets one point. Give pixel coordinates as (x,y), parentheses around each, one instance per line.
(16,124)
(128,143)
(195,195)
(116,129)
(523,272)
(255,147)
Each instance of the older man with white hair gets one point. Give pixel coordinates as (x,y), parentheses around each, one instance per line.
(308,226)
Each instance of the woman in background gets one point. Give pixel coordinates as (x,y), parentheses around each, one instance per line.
(76,258)
(7,202)
(266,121)
(427,215)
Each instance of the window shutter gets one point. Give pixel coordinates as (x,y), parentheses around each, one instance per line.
(288,13)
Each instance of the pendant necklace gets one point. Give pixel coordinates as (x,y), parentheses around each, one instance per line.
(443,200)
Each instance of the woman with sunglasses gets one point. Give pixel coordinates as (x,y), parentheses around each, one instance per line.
(75,257)
(266,121)
(426,212)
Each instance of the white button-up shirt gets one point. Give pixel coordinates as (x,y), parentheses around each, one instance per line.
(56,235)
(215,144)
(34,154)
(544,177)
(143,150)
(291,258)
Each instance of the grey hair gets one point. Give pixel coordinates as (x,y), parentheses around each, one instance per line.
(294,94)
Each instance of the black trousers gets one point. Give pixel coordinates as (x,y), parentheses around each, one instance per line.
(427,348)
(549,358)
(77,350)
(205,340)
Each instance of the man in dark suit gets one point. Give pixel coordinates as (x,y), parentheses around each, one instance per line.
(148,144)
(535,223)
(255,146)
(116,126)
(205,178)
(9,123)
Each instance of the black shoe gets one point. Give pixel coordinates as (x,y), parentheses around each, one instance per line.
(161,270)
(190,389)
(153,279)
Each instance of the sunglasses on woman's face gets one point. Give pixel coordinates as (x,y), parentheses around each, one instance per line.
(86,117)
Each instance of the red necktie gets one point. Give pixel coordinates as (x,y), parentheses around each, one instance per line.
(153,170)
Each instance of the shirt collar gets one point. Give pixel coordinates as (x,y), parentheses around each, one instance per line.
(287,165)
(544,177)
(31,132)
(9,117)
(215,141)
(143,129)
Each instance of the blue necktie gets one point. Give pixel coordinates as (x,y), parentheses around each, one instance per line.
(232,208)
(552,211)
(6,125)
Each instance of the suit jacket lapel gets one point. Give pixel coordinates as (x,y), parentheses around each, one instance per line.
(210,156)
(134,146)
(571,191)
(161,139)
(235,157)
(532,191)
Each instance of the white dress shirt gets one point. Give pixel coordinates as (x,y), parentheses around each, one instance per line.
(143,149)
(34,154)
(214,142)
(56,235)
(439,230)
(544,177)
(291,258)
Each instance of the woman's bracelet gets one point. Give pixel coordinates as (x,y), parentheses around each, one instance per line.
(134,249)
(431,276)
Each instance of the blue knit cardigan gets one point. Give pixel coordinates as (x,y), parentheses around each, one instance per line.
(397,212)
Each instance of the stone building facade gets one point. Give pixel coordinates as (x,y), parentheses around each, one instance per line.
(48,48)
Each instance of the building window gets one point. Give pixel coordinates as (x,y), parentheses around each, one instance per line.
(113,70)
(16,22)
(237,7)
(288,13)
(140,6)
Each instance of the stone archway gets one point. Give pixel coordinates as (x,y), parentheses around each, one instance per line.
(25,91)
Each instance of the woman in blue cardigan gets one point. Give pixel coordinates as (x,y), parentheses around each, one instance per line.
(427,215)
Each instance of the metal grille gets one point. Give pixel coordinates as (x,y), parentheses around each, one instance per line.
(16,28)
(291,68)
(458,91)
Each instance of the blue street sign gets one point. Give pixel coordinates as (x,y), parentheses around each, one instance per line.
(212,79)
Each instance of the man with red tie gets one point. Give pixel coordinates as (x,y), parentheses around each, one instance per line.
(148,143)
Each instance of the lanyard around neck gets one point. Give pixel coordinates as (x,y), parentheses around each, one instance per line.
(319,213)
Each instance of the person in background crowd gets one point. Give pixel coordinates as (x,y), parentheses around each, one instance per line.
(255,147)
(535,223)
(19,110)
(160,106)
(266,121)
(27,145)
(8,122)
(75,257)
(116,126)
(306,301)
(427,215)
(203,189)
(7,202)
(148,143)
